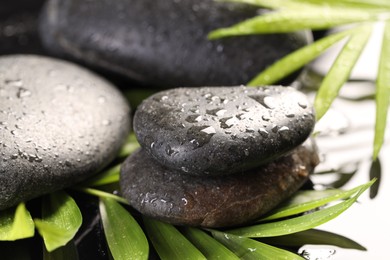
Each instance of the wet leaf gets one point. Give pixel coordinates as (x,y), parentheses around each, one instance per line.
(129,147)
(296,60)
(211,248)
(301,223)
(108,176)
(340,70)
(61,219)
(246,248)
(102,194)
(169,242)
(313,237)
(307,200)
(375,173)
(291,20)
(16,223)
(124,236)
(382,95)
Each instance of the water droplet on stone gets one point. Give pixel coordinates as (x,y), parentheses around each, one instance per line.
(265,101)
(265,117)
(209,130)
(194,118)
(22,93)
(101,100)
(106,122)
(228,122)
(302,104)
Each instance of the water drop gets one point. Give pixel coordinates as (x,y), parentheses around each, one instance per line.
(290,115)
(22,93)
(194,118)
(228,122)
(216,112)
(265,101)
(106,122)
(265,117)
(209,130)
(14,82)
(101,100)
(302,104)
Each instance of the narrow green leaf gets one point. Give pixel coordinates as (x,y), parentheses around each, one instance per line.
(211,248)
(313,237)
(169,243)
(300,223)
(298,204)
(108,176)
(296,60)
(124,236)
(340,70)
(382,92)
(364,4)
(102,194)
(61,219)
(375,173)
(246,248)
(16,223)
(67,252)
(294,20)
(130,146)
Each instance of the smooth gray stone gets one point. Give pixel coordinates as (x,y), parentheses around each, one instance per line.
(59,124)
(222,130)
(163,43)
(222,201)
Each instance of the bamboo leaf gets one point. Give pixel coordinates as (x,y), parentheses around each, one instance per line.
(291,20)
(246,248)
(296,60)
(313,237)
(16,223)
(298,204)
(124,236)
(340,70)
(108,176)
(129,147)
(211,248)
(169,242)
(102,194)
(382,92)
(300,223)
(375,173)
(61,219)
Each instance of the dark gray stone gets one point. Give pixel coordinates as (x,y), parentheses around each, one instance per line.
(19,26)
(222,130)
(59,124)
(221,201)
(163,43)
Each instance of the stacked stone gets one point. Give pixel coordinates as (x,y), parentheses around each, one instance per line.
(218,156)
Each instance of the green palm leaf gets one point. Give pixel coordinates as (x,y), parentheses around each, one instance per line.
(211,248)
(341,70)
(16,223)
(246,248)
(382,92)
(125,237)
(301,223)
(61,219)
(296,60)
(169,243)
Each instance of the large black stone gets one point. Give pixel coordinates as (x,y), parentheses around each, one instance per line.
(162,43)
(222,130)
(19,27)
(59,124)
(221,201)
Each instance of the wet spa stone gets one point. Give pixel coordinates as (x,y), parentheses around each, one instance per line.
(222,130)
(59,124)
(221,201)
(162,43)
